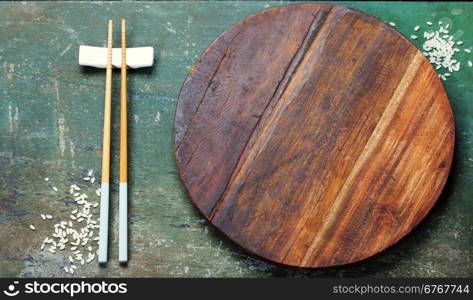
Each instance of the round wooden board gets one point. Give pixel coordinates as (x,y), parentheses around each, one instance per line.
(313,135)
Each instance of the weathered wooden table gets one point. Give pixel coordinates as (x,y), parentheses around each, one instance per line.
(51,122)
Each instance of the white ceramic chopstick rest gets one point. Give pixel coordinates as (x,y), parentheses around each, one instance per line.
(96,57)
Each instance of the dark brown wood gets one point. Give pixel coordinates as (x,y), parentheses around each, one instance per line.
(313,135)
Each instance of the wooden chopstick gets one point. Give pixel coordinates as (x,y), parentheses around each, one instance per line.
(104,196)
(123,203)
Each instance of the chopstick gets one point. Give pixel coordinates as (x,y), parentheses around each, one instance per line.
(123,203)
(104,195)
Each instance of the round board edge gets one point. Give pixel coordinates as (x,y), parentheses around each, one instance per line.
(216,40)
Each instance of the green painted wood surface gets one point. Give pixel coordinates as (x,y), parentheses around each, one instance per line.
(51,120)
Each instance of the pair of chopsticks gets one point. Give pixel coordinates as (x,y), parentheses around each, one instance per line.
(105,189)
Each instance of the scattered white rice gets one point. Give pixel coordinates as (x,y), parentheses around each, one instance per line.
(75,233)
(470,64)
(46,179)
(440,48)
(90,257)
(392,24)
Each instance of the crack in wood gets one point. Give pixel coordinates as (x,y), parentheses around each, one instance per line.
(313,29)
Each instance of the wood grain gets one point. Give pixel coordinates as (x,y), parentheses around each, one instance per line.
(313,135)
(123,112)
(107,112)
